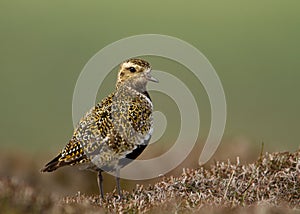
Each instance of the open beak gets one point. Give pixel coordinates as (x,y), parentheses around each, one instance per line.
(151,78)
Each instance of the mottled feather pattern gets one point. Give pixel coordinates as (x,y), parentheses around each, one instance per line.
(111,130)
(116,130)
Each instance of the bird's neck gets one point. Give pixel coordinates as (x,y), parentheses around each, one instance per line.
(137,86)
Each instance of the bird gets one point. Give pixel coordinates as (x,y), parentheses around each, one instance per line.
(116,130)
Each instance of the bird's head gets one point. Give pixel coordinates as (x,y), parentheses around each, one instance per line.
(135,73)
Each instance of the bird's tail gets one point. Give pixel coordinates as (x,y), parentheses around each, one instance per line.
(53,165)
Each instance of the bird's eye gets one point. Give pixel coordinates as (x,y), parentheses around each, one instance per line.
(132,69)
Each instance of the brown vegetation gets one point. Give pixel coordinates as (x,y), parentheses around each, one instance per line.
(271,184)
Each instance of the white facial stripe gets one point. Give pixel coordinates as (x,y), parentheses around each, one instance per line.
(129,64)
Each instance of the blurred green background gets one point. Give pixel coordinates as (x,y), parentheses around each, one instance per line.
(253,45)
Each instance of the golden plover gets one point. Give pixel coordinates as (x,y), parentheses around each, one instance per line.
(116,130)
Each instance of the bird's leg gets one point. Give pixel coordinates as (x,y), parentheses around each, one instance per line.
(100,183)
(118,182)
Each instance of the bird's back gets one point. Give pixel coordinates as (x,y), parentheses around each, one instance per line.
(111,134)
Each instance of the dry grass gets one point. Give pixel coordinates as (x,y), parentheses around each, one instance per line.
(269,185)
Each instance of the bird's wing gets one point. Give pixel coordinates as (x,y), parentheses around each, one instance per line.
(109,131)
(94,132)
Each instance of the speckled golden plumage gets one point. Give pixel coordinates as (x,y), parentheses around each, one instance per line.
(114,131)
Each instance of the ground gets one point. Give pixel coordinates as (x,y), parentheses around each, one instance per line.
(271,184)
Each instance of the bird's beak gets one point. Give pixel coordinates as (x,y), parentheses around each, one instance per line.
(151,78)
